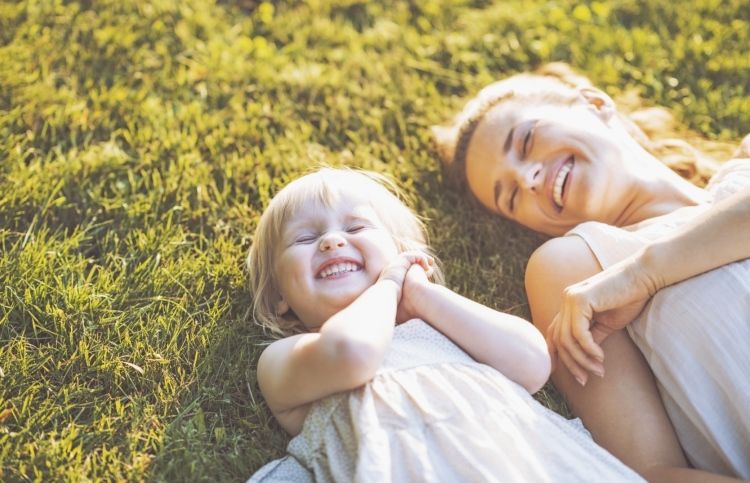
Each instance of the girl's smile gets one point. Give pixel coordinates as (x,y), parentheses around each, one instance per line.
(338,268)
(331,254)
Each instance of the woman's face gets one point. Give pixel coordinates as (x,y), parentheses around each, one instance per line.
(550,167)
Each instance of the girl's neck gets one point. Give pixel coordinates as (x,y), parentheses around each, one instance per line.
(660,191)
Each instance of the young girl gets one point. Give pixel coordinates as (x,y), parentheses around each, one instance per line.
(383,375)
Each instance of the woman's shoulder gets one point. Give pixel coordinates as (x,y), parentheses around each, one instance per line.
(556,264)
(560,252)
(732,176)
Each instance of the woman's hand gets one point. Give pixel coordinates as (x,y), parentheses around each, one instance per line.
(594,308)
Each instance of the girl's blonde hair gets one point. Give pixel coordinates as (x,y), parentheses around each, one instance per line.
(557,83)
(322,187)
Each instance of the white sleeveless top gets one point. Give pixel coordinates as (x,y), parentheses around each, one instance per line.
(695,335)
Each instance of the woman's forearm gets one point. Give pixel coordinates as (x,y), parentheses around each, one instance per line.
(719,236)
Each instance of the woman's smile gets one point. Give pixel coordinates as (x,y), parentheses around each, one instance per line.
(561,181)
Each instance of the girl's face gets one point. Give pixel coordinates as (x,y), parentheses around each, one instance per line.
(328,256)
(550,167)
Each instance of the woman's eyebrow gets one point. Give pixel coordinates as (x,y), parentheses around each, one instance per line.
(509,140)
(498,190)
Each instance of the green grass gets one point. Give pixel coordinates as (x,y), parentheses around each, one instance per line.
(139,142)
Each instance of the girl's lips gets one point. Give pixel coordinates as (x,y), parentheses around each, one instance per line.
(331,262)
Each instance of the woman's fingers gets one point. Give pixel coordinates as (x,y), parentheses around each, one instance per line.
(580,330)
(578,372)
(570,346)
(563,337)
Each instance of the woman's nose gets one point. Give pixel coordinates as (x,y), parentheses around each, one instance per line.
(331,241)
(530,176)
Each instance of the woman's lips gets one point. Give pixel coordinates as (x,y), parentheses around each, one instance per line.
(561,181)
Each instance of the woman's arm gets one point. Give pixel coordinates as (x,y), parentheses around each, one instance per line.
(344,354)
(508,343)
(623,409)
(719,236)
(592,309)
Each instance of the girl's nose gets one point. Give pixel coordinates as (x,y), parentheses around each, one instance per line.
(530,176)
(331,241)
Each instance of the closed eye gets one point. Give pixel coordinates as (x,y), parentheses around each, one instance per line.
(355,228)
(305,239)
(527,139)
(512,202)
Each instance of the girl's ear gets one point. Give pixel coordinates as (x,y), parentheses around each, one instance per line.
(282,307)
(599,102)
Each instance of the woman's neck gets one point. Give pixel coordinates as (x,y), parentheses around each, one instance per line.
(659,191)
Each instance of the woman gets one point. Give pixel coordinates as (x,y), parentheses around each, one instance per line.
(552,153)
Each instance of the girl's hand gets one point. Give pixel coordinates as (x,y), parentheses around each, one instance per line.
(594,308)
(396,270)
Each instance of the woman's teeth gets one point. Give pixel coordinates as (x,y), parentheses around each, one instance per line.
(338,268)
(557,189)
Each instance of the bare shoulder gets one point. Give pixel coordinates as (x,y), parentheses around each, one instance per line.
(555,265)
(274,377)
(272,365)
(565,257)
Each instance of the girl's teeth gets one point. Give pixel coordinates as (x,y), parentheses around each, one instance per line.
(338,268)
(559,182)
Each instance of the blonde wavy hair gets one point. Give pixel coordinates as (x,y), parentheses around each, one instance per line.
(323,187)
(556,83)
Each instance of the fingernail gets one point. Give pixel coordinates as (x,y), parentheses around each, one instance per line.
(599,372)
(581,380)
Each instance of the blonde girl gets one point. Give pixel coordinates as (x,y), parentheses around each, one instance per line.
(553,153)
(381,374)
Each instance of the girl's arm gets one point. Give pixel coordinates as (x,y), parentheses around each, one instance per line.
(508,343)
(344,354)
(592,309)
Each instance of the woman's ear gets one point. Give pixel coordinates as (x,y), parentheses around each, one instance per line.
(599,101)
(445,142)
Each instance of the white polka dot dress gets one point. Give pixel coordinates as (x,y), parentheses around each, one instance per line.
(434,414)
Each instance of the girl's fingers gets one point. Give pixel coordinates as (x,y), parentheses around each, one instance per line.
(422,259)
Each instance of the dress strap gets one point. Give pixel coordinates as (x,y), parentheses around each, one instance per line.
(609,244)
(730,178)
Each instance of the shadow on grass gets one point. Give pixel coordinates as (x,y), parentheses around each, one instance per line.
(223,430)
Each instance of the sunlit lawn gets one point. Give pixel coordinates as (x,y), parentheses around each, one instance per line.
(139,142)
